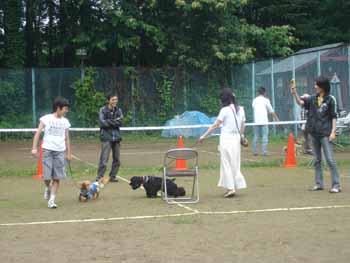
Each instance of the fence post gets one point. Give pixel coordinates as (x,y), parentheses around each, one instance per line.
(318,63)
(273,91)
(253,80)
(294,101)
(133,95)
(185,89)
(347,101)
(33,98)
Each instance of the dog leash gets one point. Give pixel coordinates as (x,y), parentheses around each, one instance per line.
(71,175)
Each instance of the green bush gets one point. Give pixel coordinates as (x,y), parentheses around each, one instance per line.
(11,105)
(88,101)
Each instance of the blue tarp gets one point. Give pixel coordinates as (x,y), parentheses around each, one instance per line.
(188,118)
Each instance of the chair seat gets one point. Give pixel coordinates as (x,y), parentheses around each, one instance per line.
(181,173)
(190,171)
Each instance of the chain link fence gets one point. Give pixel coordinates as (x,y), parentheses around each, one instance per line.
(151,96)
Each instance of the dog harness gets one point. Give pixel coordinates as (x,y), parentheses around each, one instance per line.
(145,179)
(94,188)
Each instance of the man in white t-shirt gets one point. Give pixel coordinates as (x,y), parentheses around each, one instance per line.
(55,148)
(262,108)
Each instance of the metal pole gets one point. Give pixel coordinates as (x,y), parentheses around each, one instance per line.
(133,109)
(33,99)
(294,101)
(273,91)
(253,80)
(318,63)
(347,101)
(185,90)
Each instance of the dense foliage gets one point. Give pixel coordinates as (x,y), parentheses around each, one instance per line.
(200,34)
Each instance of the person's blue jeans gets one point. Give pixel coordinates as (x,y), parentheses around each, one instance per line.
(319,143)
(264,131)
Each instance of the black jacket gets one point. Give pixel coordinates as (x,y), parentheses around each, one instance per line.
(319,119)
(110,122)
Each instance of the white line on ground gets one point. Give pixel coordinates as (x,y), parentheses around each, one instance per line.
(272,210)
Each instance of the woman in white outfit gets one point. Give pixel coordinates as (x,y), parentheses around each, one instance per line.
(231,177)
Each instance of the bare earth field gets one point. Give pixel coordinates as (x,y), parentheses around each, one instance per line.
(274,220)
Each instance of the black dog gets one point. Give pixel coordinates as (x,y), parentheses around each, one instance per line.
(153,184)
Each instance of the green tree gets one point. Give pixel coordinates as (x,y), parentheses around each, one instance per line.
(13,34)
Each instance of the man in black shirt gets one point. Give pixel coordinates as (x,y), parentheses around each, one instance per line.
(110,119)
(321,124)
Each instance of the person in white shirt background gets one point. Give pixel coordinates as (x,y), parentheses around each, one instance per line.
(231,177)
(262,108)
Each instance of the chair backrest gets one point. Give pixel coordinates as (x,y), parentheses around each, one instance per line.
(181,154)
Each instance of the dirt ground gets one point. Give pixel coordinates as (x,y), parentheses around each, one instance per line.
(274,220)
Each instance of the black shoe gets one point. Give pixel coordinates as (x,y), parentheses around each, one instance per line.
(113,180)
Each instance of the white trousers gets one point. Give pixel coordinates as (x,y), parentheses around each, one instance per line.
(230,166)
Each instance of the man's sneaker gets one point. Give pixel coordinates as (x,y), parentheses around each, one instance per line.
(113,180)
(51,204)
(316,188)
(334,190)
(47,194)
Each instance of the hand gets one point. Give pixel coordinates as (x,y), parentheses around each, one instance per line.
(34,152)
(332,137)
(293,90)
(201,139)
(292,87)
(68,157)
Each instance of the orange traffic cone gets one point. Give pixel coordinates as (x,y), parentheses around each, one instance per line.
(180,164)
(290,155)
(39,173)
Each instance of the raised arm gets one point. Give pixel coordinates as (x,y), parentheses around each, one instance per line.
(293,90)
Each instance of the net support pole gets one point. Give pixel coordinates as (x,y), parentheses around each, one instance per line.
(273,91)
(33,98)
(294,101)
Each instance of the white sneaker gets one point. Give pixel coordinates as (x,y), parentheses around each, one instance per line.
(47,194)
(335,190)
(230,193)
(51,204)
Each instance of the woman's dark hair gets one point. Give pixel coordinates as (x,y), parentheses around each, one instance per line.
(323,83)
(111,95)
(59,102)
(227,97)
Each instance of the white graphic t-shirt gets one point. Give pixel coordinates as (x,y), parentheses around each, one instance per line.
(54,132)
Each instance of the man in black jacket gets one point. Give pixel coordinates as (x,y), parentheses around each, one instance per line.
(110,119)
(321,124)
